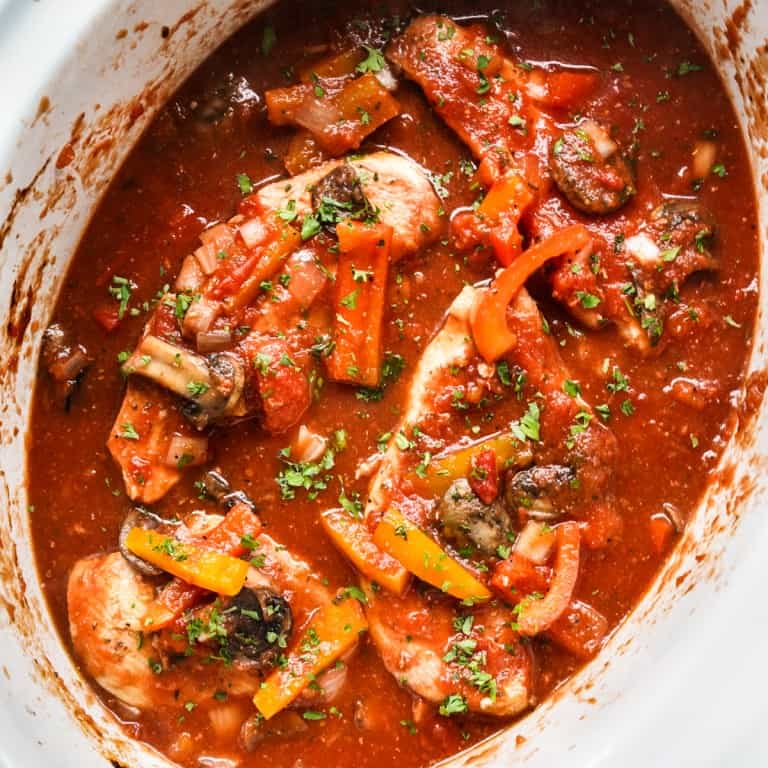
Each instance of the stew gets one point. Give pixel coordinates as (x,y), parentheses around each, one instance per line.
(388,373)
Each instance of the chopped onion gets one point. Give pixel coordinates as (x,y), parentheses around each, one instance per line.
(704,154)
(226,720)
(675,515)
(253,232)
(316,115)
(643,248)
(186,451)
(536,87)
(213,341)
(535,542)
(386,78)
(604,144)
(190,276)
(307,279)
(331,682)
(200,317)
(219,235)
(308,445)
(206,256)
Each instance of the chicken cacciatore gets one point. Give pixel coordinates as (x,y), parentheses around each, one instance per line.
(389,371)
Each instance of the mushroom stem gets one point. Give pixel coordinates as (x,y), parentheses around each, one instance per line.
(213,384)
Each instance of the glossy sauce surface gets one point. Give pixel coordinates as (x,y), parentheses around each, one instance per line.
(656,87)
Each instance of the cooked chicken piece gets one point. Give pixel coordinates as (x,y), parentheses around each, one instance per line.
(140,438)
(415,633)
(393,185)
(442,58)
(107,599)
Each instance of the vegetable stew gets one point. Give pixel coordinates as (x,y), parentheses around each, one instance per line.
(388,373)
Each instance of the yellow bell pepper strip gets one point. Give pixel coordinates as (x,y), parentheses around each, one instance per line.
(333,630)
(353,539)
(436,477)
(488,319)
(204,568)
(425,559)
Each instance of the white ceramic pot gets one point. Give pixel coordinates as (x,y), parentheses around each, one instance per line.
(681,683)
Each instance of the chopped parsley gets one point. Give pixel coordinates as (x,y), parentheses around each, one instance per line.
(244,183)
(373,62)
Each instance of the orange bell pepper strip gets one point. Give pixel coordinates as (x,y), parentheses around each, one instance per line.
(425,559)
(178,596)
(333,630)
(361,284)
(204,568)
(536,616)
(489,315)
(443,469)
(353,539)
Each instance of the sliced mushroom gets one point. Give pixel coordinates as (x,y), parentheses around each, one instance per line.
(590,170)
(283,725)
(140,517)
(536,490)
(339,195)
(219,489)
(467,520)
(213,385)
(66,362)
(257,624)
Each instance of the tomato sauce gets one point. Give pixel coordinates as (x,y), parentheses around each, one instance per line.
(656,87)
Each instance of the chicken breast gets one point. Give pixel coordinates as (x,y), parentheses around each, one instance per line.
(394,185)
(418,633)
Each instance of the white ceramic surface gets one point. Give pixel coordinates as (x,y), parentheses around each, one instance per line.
(681,683)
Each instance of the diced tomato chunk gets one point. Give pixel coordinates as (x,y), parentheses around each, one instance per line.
(484,476)
(281,383)
(107,317)
(580,630)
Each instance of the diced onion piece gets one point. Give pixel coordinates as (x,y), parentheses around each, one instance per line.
(643,248)
(186,451)
(253,231)
(219,235)
(200,317)
(316,115)
(387,79)
(206,256)
(213,341)
(307,279)
(674,514)
(190,276)
(536,87)
(308,445)
(704,154)
(226,719)
(604,144)
(535,542)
